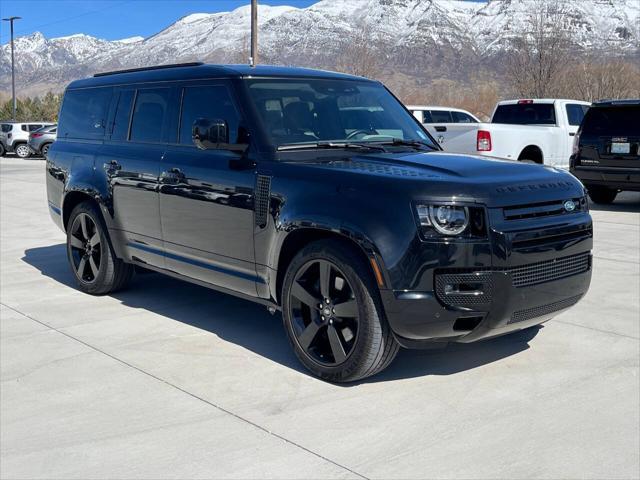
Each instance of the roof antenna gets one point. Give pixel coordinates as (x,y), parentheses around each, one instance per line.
(253,59)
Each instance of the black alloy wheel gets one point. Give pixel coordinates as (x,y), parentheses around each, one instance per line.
(324,311)
(95,266)
(333,314)
(85,248)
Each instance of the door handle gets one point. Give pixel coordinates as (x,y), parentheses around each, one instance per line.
(572,134)
(112,167)
(441,129)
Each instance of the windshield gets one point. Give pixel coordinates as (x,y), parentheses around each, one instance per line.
(307,111)
(525,114)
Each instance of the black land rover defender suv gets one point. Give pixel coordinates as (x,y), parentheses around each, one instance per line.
(317,194)
(605,150)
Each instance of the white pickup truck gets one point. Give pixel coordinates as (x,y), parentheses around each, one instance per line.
(540,131)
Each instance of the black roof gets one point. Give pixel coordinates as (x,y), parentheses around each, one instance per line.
(195,71)
(627,101)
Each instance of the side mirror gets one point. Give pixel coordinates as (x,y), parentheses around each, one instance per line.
(210,134)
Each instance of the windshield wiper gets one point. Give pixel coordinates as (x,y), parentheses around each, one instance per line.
(409,143)
(328,145)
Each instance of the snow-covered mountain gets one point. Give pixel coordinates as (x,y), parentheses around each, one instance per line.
(413,36)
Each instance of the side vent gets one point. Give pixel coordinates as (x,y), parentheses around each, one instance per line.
(261,203)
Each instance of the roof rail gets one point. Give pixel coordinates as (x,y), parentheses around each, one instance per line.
(145,69)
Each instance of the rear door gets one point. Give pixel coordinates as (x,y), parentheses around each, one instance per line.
(131,160)
(610,136)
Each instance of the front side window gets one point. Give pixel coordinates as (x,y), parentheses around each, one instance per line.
(301,111)
(84,113)
(149,115)
(461,117)
(575,113)
(440,116)
(211,103)
(33,127)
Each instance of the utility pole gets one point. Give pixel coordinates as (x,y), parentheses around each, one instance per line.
(13,68)
(253,60)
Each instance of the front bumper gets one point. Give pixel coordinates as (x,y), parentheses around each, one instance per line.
(418,316)
(530,269)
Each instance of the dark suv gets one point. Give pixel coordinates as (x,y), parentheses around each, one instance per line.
(317,194)
(605,152)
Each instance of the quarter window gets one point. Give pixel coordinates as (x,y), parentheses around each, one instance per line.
(209,102)
(149,115)
(84,113)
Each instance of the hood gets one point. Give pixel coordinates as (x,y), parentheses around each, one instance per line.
(445,176)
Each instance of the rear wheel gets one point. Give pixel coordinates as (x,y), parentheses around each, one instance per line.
(602,195)
(333,315)
(96,268)
(23,150)
(2,150)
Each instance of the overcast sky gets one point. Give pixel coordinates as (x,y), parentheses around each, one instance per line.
(111,19)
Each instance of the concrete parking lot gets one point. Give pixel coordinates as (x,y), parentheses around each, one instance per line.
(171,380)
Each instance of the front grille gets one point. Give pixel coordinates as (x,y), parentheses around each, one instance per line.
(549,270)
(535,312)
(544,209)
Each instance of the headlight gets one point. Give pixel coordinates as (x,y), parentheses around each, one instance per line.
(451,220)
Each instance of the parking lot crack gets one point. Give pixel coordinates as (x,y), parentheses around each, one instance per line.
(186,392)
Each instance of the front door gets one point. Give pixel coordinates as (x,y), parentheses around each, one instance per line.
(206,206)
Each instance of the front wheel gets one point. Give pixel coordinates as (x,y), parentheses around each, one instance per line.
(96,268)
(2,150)
(23,150)
(333,315)
(45,150)
(602,195)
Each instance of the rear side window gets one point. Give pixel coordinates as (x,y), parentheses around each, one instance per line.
(461,117)
(440,116)
(84,113)
(120,125)
(575,113)
(23,128)
(525,114)
(614,121)
(6,127)
(209,102)
(149,115)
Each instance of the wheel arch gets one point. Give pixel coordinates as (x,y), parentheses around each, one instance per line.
(299,238)
(74,197)
(533,153)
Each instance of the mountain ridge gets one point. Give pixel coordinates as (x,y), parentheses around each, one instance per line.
(412,37)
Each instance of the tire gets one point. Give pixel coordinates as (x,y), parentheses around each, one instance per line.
(602,195)
(349,338)
(95,267)
(45,150)
(22,150)
(2,150)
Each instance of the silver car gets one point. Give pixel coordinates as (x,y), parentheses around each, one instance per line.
(14,136)
(41,140)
